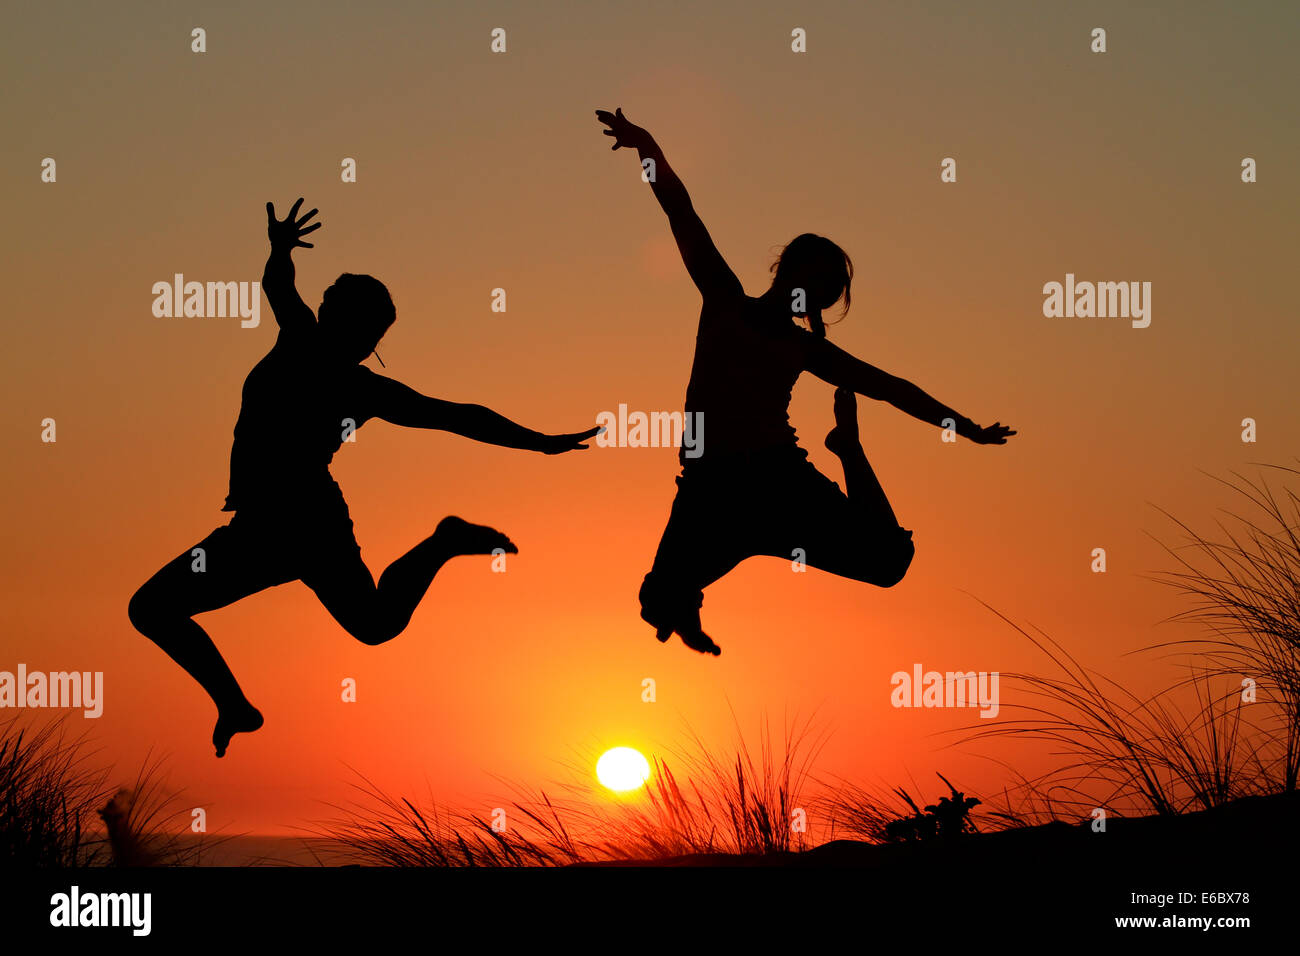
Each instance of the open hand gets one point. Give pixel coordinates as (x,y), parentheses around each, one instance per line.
(287,233)
(625,132)
(559,444)
(995,434)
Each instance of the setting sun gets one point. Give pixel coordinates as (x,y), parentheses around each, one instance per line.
(622,768)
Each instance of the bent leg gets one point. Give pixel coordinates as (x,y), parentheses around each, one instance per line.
(374,614)
(838,533)
(163,608)
(871,554)
(697,547)
(860,481)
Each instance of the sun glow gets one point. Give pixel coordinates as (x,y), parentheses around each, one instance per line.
(622,769)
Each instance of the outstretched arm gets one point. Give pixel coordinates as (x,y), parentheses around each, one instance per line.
(402,405)
(291,313)
(836,366)
(705,264)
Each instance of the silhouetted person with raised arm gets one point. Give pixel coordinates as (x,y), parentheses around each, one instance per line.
(291,522)
(753,490)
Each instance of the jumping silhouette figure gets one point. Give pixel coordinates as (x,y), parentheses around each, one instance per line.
(753,491)
(290,519)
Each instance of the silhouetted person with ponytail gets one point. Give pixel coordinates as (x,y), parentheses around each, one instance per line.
(291,522)
(753,490)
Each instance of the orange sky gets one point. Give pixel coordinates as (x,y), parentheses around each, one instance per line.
(478,171)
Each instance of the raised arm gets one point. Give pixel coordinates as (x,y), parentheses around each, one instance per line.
(705,264)
(403,405)
(291,313)
(836,366)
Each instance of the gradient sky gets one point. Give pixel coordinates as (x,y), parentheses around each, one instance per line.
(477,171)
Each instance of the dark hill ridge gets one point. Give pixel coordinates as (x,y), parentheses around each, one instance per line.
(1058,877)
(1262,825)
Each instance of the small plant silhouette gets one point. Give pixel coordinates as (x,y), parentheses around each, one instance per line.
(948,818)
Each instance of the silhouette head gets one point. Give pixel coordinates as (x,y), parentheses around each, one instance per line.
(354,314)
(821,269)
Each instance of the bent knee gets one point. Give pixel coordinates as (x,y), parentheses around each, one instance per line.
(888,563)
(147,610)
(374,632)
(373,637)
(895,568)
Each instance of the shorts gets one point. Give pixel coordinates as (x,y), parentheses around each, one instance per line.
(773,502)
(289,543)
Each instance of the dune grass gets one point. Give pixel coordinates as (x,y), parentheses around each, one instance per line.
(1120,751)
(156,823)
(49,793)
(1245,588)
(1229,729)
(739,802)
(890,815)
(52,798)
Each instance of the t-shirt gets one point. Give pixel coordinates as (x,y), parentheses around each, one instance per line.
(743,375)
(297,408)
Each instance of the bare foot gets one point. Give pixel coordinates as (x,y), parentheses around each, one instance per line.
(843,438)
(699,641)
(461,537)
(239,720)
(662,631)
